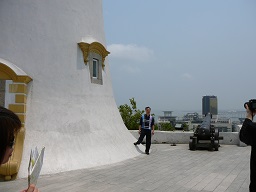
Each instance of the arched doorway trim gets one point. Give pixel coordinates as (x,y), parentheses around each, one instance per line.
(17,88)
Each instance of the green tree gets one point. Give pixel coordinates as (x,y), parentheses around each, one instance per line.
(130,114)
(166,127)
(156,126)
(185,127)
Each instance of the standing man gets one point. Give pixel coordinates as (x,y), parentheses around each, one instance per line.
(247,135)
(147,128)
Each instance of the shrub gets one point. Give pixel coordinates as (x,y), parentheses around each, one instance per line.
(166,127)
(130,115)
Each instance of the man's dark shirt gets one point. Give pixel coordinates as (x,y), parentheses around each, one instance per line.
(248,135)
(146,124)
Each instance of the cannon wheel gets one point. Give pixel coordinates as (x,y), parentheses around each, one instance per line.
(216,134)
(192,146)
(216,146)
(217,141)
(192,143)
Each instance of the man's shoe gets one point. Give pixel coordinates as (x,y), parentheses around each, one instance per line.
(135,143)
(146,152)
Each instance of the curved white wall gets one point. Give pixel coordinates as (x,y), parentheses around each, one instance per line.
(77,121)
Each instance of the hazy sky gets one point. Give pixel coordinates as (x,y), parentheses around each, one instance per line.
(169,53)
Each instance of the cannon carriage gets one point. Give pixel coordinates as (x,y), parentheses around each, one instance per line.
(205,136)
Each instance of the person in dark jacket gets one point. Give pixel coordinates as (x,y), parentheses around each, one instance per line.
(247,135)
(146,128)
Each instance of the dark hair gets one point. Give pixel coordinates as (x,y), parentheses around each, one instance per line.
(147,108)
(10,124)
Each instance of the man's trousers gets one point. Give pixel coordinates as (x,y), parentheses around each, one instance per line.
(147,133)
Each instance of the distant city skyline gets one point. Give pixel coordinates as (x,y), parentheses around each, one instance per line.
(168,54)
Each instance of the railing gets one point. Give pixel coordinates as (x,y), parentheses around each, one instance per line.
(180,137)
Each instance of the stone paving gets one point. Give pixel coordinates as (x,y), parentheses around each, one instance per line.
(167,169)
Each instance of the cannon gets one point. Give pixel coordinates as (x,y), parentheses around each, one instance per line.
(205,136)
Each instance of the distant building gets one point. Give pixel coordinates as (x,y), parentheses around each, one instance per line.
(209,105)
(167,118)
(223,124)
(191,117)
(179,126)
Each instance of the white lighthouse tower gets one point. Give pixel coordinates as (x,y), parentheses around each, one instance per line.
(54,74)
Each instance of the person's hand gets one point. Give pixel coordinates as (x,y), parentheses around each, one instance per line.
(139,131)
(32,188)
(249,113)
(153,132)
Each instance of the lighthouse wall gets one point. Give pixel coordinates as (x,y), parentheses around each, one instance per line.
(76,120)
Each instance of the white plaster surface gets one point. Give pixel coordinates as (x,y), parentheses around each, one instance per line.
(78,122)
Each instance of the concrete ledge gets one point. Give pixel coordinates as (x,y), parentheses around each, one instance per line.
(180,137)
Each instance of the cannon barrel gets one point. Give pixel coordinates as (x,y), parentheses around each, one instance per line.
(204,131)
(206,124)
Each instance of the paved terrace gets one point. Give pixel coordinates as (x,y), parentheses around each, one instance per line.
(166,169)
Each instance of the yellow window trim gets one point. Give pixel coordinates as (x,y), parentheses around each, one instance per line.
(95,47)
